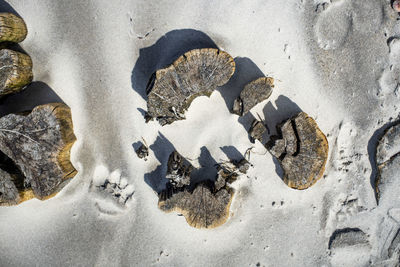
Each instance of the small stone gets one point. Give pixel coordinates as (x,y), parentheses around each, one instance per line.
(15,71)
(302,150)
(39,144)
(198,72)
(253,93)
(12,28)
(348,237)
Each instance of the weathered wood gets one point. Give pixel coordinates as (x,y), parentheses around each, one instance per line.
(253,93)
(142,151)
(12,28)
(256,131)
(201,207)
(39,144)
(348,237)
(206,204)
(15,71)
(198,72)
(302,150)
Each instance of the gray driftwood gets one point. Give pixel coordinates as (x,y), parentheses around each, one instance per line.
(142,152)
(302,150)
(198,72)
(253,93)
(206,204)
(12,28)
(39,144)
(15,71)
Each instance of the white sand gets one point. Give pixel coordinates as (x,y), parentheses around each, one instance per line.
(328,63)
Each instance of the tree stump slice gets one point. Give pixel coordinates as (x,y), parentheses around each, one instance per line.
(198,72)
(12,28)
(253,93)
(39,144)
(205,204)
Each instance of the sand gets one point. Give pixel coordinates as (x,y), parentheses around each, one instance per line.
(331,61)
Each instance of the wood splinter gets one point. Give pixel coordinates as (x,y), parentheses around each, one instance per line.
(39,145)
(198,72)
(302,150)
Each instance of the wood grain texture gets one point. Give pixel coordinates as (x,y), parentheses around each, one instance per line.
(198,72)
(205,204)
(302,150)
(387,161)
(39,144)
(253,93)
(12,28)
(15,71)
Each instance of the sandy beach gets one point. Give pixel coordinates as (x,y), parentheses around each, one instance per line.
(336,60)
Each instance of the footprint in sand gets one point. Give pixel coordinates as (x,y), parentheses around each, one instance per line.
(338,18)
(389,80)
(112,192)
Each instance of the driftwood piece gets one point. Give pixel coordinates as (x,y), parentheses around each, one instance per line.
(8,191)
(388,163)
(302,150)
(198,72)
(39,144)
(348,237)
(15,71)
(12,28)
(201,207)
(205,204)
(253,93)
(256,131)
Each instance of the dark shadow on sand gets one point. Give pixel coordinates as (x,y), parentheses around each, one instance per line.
(35,94)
